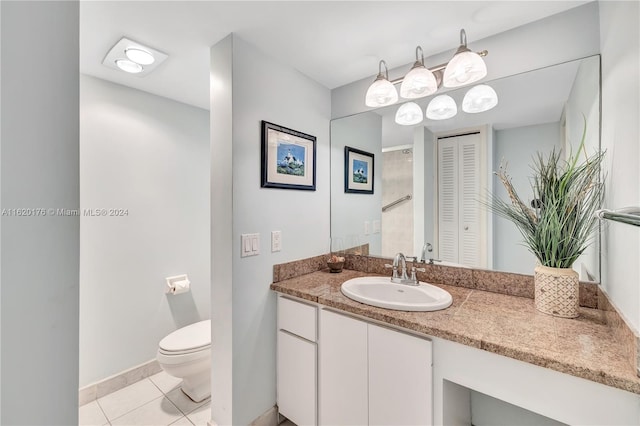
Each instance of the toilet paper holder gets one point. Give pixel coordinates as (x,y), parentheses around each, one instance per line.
(178,284)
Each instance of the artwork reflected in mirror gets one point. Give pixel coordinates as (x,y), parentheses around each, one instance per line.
(431,177)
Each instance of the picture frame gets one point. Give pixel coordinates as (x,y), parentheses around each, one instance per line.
(288,158)
(358,171)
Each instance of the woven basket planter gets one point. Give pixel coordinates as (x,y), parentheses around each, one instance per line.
(557,291)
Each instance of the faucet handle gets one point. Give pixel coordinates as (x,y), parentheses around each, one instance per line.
(414,278)
(386,265)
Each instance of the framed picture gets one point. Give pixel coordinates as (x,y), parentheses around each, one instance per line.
(288,158)
(358,171)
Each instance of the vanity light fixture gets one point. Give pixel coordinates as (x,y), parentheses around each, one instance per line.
(419,81)
(132,57)
(381,92)
(464,68)
(479,98)
(409,114)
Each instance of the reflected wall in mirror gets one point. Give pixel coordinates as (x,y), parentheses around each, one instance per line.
(433,175)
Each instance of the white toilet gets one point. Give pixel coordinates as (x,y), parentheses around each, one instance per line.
(186,353)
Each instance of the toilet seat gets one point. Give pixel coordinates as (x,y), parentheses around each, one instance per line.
(187,340)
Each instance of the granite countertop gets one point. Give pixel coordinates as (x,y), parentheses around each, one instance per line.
(585,347)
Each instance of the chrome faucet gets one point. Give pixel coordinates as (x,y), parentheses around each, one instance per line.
(427,247)
(400,261)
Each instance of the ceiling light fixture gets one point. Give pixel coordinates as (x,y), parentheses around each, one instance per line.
(129,66)
(133,57)
(381,92)
(466,67)
(139,56)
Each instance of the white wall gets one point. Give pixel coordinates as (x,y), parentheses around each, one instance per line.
(283,96)
(517,147)
(620,48)
(221,189)
(39,169)
(149,156)
(362,132)
(394,134)
(557,38)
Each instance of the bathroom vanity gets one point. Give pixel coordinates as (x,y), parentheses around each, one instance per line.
(344,362)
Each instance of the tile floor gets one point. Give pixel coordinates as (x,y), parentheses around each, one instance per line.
(157,400)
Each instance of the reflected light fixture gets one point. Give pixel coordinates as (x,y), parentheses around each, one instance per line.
(479,99)
(441,107)
(465,67)
(419,81)
(409,114)
(381,92)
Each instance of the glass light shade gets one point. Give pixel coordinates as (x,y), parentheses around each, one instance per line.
(464,68)
(479,99)
(129,66)
(409,114)
(441,107)
(381,93)
(139,56)
(418,82)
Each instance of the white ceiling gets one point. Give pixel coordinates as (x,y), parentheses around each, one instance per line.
(334,43)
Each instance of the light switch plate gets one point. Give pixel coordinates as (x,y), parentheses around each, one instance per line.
(276,241)
(250,245)
(376,226)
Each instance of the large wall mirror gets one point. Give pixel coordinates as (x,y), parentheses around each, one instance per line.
(423,176)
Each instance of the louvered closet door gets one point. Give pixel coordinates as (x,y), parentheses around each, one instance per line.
(469,194)
(459,218)
(448,199)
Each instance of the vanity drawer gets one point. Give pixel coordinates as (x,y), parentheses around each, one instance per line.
(297,318)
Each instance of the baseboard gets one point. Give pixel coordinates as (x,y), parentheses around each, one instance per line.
(268,418)
(117,381)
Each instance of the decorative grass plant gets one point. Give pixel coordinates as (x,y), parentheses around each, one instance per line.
(561,221)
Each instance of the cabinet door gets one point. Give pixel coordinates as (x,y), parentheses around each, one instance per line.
(296,379)
(399,378)
(342,370)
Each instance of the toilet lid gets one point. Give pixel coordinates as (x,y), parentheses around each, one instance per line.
(191,337)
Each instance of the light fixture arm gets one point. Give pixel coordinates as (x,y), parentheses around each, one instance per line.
(386,70)
(463,38)
(419,59)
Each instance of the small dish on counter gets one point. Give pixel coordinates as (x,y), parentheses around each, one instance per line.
(335,264)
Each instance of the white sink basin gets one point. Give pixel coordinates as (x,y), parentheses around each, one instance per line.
(381,292)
